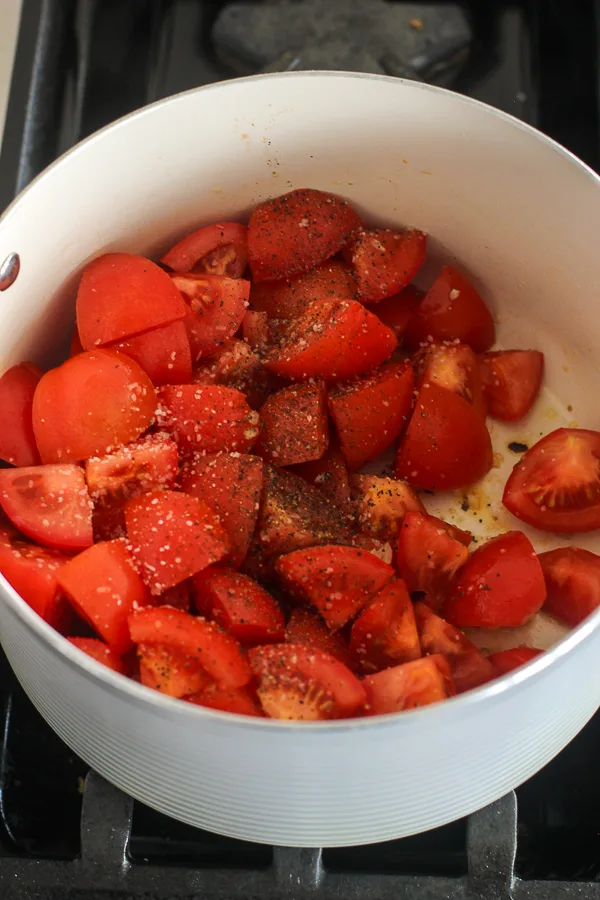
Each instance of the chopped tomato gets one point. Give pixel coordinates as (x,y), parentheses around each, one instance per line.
(49,504)
(172,537)
(408,686)
(177,596)
(218,249)
(294,424)
(572,582)
(446,445)
(455,368)
(240,605)
(255,329)
(507,660)
(103,587)
(230,484)
(317,344)
(468,665)
(381,505)
(338,581)
(121,294)
(217,306)
(92,404)
(385,632)
(452,310)
(170,671)
(501,585)
(296,682)
(297,231)
(17,440)
(556,485)
(209,418)
(241,701)
(384,261)
(330,475)
(75,346)
(32,570)
(207,644)
(429,556)
(332,280)
(511,381)
(147,464)
(163,353)
(308,629)
(395,312)
(236,365)
(370,412)
(99,651)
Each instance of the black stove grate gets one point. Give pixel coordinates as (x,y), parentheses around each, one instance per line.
(65,834)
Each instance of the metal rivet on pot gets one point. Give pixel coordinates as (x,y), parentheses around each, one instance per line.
(9,270)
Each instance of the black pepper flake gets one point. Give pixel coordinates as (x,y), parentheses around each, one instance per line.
(518,447)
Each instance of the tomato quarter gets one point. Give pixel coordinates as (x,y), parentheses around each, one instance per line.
(429,555)
(294,425)
(507,660)
(17,440)
(215,250)
(385,261)
(511,381)
(572,578)
(408,686)
(385,632)
(208,418)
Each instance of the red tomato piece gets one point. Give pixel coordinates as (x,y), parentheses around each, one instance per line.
(408,686)
(429,556)
(446,445)
(316,345)
(308,629)
(218,249)
(99,651)
(143,466)
(468,665)
(17,440)
(385,632)
(384,261)
(121,294)
(455,368)
(452,310)
(338,581)
(177,596)
(103,587)
(31,571)
(231,485)
(297,231)
(75,346)
(329,474)
(172,537)
(396,311)
(207,644)
(332,280)
(370,412)
(217,306)
(255,329)
(170,671)
(501,585)
(572,583)
(90,405)
(49,504)
(240,605)
(381,505)
(236,365)
(208,418)
(294,425)
(507,660)
(511,381)
(556,485)
(296,682)
(241,701)
(163,353)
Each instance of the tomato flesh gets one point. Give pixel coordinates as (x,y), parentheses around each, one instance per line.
(216,308)
(572,578)
(330,475)
(163,353)
(385,632)
(17,442)
(468,665)
(208,418)
(429,555)
(381,505)
(454,368)
(385,261)
(32,571)
(308,629)
(408,686)
(332,280)
(101,652)
(241,701)
(294,425)
(240,605)
(508,660)
(218,249)
(511,381)
(170,671)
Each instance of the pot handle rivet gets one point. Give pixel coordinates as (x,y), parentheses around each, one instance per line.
(9,270)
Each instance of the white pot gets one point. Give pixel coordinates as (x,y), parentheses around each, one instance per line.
(523,217)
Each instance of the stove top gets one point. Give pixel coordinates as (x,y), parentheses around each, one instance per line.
(65,834)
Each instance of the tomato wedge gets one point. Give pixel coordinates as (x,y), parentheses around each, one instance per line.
(408,686)
(216,308)
(99,651)
(75,346)
(381,505)
(241,701)
(236,365)
(330,475)
(121,294)
(296,682)
(555,486)
(255,329)
(572,583)
(446,445)
(308,629)
(92,404)
(338,581)
(385,632)
(17,442)
(507,660)
(207,644)
(396,311)
(163,353)
(240,605)
(31,571)
(370,412)
(170,671)
(172,537)
(384,261)
(218,249)
(455,368)
(143,466)
(332,280)
(429,556)
(500,586)
(208,418)
(297,231)
(468,665)
(49,504)
(511,381)
(294,425)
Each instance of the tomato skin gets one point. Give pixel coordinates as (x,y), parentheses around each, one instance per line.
(330,475)
(121,294)
(500,586)
(255,329)
(385,633)
(142,466)
(240,605)
(32,570)
(384,261)
(297,231)
(455,368)
(429,555)
(296,682)
(505,661)
(216,308)
(452,310)
(371,411)
(172,537)
(468,665)
(99,651)
(17,442)
(511,381)
(294,425)
(337,581)
(446,445)
(381,505)
(209,418)
(218,249)
(408,686)
(111,386)
(163,353)
(308,629)
(572,578)
(241,701)
(395,312)
(170,671)
(332,280)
